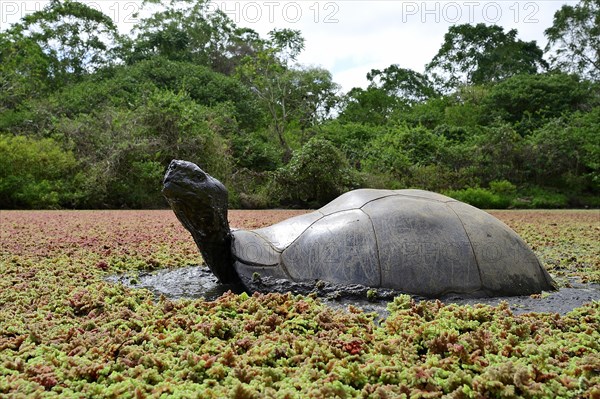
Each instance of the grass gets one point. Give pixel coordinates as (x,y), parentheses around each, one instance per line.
(66,332)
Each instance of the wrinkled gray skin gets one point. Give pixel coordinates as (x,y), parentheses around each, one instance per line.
(412,241)
(200,203)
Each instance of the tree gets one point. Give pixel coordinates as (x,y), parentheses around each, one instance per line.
(372,106)
(351,138)
(205,86)
(574,39)
(478,54)
(129,86)
(192,31)
(287,92)
(269,77)
(428,114)
(394,152)
(76,38)
(390,90)
(409,86)
(567,153)
(316,174)
(317,95)
(23,70)
(124,152)
(528,100)
(34,173)
(498,153)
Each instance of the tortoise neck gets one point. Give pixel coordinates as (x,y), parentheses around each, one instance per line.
(210,229)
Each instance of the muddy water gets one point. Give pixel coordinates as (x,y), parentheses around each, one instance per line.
(197,282)
(185,282)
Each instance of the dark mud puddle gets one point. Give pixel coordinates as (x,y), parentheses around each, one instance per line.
(185,282)
(197,282)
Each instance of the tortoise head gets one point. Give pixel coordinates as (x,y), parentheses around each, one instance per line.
(198,199)
(200,203)
(185,180)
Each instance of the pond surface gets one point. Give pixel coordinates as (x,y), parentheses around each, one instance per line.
(185,282)
(198,281)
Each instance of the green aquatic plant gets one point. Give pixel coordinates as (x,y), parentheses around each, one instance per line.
(66,332)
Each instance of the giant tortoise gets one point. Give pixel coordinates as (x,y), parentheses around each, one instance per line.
(413,241)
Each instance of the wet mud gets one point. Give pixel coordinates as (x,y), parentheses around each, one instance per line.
(185,282)
(199,282)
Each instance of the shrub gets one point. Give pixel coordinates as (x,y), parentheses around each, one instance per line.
(441,177)
(351,138)
(34,173)
(479,197)
(503,188)
(249,189)
(395,152)
(528,99)
(180,128)
(140,188)
(255,151)
(537,197)
(550,200)
(498,153)
(565,153)
(315,175)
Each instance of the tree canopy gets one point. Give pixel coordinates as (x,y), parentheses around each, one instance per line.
(76,38)
(478,54)
(91,119)
(574,39)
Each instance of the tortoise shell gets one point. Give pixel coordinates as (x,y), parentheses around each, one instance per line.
(413,241)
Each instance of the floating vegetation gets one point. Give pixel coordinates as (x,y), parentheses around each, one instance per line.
(65,331)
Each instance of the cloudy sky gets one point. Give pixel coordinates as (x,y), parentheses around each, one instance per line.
(351,37)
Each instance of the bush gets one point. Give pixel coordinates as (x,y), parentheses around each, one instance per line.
(526,100)
(550,200)
(123,154)
(385,156)
(34,173)
(498,153)
(395,152)
(585,201)
(441,177)
(249,189)
(316,174)
(255,151)
(503,194)
(503,188)
(539,198)
(480,198)
(382,181)
(566,153)
(128,86)
(178,127)
(141,187)
(351,138)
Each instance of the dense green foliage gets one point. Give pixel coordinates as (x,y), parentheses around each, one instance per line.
(316,174)
(32,172)
(480,54)
(575,38)
(111,111)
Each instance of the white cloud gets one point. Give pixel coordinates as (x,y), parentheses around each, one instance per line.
(376,34)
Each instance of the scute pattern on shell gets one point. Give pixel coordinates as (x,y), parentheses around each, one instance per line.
(413,241)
